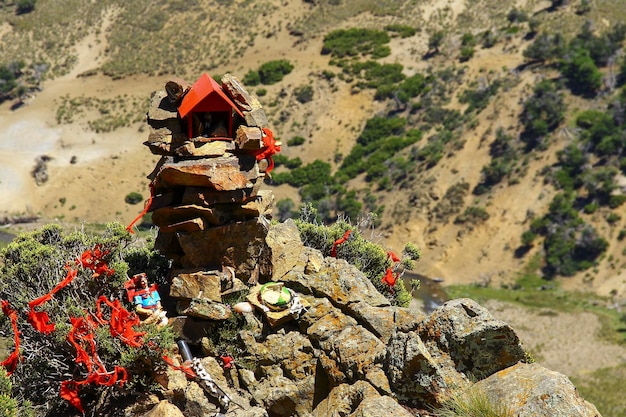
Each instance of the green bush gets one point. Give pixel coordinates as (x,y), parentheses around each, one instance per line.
(31,266)
(252,78)
(582,74)
(356,41)
(7,80)
(273,72)
(478,98)
(570,245)
(473,215)
(304,93)
(546,47)
(542,113)
(467,52)
(25,6)
(133,198)
(435,40)
(296,141)
(404,31)
(367,256)
(516,15)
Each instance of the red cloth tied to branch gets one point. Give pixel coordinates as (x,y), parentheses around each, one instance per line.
(392,255)
(389,278)
(40,319)
(69,389)
(93,259)
(270,148)
(10,363)
(121,322)
(338,242)
(80,335)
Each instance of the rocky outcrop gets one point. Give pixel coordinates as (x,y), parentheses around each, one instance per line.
(534,391)
(352,354)
(315,338)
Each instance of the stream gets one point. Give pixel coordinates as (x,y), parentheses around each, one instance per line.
(428,296)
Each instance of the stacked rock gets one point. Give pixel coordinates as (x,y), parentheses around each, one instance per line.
(216,149)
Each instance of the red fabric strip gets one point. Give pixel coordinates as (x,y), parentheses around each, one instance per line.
(146,208)
(391,255)
(10,363)
(269,149)
(186,369)
(338,242)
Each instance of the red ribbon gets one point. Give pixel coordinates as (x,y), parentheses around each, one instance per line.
(146,208)
(391,255)
(10,363)
(186,369)
(338,242)
(83,339)
(389,278)
(121,323)
(270,148)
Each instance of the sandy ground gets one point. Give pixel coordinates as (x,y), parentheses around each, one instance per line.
(560,341)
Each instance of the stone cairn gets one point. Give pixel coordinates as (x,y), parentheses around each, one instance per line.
(205,191)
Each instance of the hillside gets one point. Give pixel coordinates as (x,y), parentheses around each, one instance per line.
(88,115)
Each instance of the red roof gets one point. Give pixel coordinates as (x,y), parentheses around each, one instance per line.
(206,95)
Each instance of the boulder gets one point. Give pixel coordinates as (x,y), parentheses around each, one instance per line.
(530,390)
(197,284)
(204,309)
(225,173)
(164,409)
(347,351)
(286,247)
(343,284)
(415,375)
(344,399)
(478,343)
(380,406)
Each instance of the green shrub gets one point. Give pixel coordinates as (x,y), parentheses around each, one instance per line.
(473,215)
(570,245)
(435,40)
(304,93)
(404,31)
(49,359)
(133,198)
(478,98)
(516,15)
(582,74)
(273,72)
(542,113)
(252,78)
(546,47)
(367,256)
(25,6)
(355,41)
(296,141)
(7,80)
(613,218)
(616,200)
(467,52)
